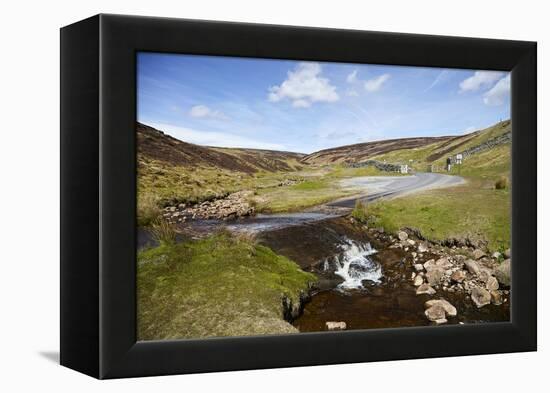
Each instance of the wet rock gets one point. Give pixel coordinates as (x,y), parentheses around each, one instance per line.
(450,310)
(325,284)
(331,325)
(472,266)
(491,284)
(435,313)
(418,267)
(458,276)
(425,289)
(402,235)
(440,321)
(478,254)
(502,273)
(481,297)
(411,242)
(418,281)
(496,297)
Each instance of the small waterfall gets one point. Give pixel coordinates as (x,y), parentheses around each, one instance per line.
(354,264)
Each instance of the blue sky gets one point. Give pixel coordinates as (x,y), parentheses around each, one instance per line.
(309,106)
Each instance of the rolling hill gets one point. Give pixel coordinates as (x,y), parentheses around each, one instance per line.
(155,145)
(488,148)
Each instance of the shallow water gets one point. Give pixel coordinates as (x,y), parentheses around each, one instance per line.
(363,282)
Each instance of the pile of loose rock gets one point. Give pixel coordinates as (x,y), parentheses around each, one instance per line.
(233,206)
(459,270)
(466,269)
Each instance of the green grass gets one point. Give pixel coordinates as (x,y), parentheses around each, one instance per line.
(340,171)
(160,184)
(476,210)
(299,196)
(218,286)
(469,211)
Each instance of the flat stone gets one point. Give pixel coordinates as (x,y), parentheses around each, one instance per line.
(402,235)
(435,312)
(419,267)
(331,325)
(418,281)
(450,310)
(480,296)
(425,289)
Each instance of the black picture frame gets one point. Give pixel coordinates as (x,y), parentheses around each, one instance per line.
(98,196)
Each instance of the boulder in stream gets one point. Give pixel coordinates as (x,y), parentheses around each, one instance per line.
(480,296)
(331,325)
(502,273)
(425,289)
(450,310)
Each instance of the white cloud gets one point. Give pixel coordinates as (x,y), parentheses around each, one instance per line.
(500,92)
(202,111)
(375,84)
(352,78)
(301,104)
(352,93)
(304,86)
(213,138)
(480,79)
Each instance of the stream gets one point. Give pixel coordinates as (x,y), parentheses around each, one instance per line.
(361,279)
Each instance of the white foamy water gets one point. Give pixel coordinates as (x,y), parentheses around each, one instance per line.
(355,265)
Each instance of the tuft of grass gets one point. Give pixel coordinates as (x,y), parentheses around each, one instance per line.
(360,211)
(148,210)
(501,183)
(163,232)
(217,286)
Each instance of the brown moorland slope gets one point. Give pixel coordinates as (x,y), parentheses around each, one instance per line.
(156,145)
(363,151)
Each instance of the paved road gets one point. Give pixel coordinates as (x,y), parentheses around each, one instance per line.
(377,187)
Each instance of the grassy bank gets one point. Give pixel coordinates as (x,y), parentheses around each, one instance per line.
(218,286)
(478,210)
(461,212)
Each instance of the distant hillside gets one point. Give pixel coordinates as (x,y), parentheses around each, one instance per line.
(364,151)
(489,148)
(156,145)
(419,152)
